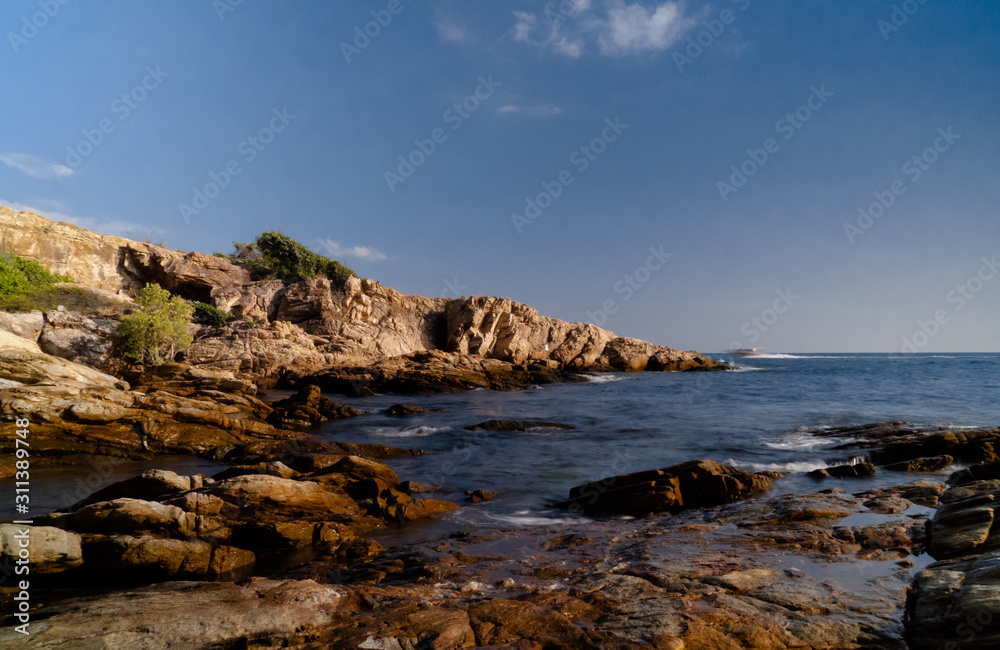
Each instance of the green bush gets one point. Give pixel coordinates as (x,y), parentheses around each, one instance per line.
(73,298)
(19,276)
(283,257)
(210,315)
(159,330)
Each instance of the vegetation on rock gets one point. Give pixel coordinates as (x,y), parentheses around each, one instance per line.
(207,314)
(282,257)
(19,276)
(159,330)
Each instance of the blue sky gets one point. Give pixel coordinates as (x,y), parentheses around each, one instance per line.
(622,119)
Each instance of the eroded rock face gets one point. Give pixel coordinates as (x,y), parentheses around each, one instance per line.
(695,484)
(116,264)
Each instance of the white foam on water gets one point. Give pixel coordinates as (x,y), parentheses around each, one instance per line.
(601,379)
(802,441)
(409,432)
(795,466)
(523,518)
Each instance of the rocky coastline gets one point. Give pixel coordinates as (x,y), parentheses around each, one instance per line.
(278,547)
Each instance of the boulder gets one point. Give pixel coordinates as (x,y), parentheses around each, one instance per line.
(52,550)
(306,409)
(694,484)
(27,325)
(151,485)
(80,339)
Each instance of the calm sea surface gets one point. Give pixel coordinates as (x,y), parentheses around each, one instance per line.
(768,415)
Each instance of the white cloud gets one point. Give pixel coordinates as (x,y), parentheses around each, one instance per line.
(34,166)
(543,110)
(452,32)
(116,227)
(634,28)
(616,27)
(335,250)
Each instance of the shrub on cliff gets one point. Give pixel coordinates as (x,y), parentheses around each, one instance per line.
(159,330)
(285,258)
(210,315)
(20,276)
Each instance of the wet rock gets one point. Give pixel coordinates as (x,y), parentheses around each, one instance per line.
(127,516)
(517,425)
(922,464)
(953,602)
(416,487)
(151,485)
(404,409)
(475,496)
(695,484)
(306,409)
(501,622)
(857,470)
(188,615)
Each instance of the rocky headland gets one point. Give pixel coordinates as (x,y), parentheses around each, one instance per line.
(277,546)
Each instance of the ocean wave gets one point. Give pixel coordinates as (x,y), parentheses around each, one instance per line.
(794,466)
(802,441)
(601,379)
(408,432)
(522,518)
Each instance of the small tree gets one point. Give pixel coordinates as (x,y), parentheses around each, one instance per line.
(159,330)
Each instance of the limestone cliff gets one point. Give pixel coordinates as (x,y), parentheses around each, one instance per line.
(310,325)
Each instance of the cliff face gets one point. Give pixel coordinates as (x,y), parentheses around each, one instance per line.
(116,264)
(310,325)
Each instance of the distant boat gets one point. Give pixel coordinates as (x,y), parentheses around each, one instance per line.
(749,352)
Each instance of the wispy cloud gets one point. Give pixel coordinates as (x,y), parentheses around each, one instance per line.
(544,110)
(36,167)
(452,32)
(116,227)
(615,27)
(333,249)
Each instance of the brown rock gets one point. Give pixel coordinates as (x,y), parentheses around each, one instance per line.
(695,484)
